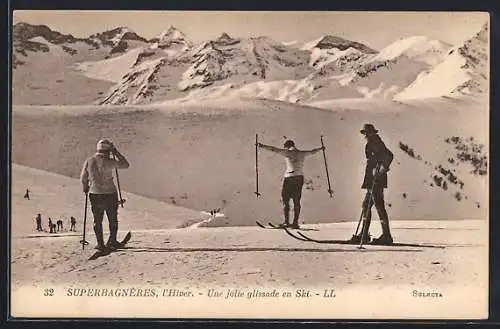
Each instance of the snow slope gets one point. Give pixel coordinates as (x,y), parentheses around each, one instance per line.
(284,90)
(440,81)
(55,50)
(454,257)
(226,257)
(393,68)
(246,258)
(418,48)
(60,197)
(463,71)
(112,69)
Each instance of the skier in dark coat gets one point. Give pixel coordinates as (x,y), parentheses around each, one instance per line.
(73,223)
(51,226)
(379,159)
(97,180)
(59,225)
(39,222)
(294,178)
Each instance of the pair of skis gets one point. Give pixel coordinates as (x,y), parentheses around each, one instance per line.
(257,193)
(277,227)
(298,235)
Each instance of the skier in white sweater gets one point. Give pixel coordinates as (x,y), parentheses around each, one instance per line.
(293,178)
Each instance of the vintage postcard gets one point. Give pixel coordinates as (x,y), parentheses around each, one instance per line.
(278,165)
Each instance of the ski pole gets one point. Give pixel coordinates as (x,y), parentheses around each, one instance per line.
(84,242)
(363,211)
(257,165)
(118,183)
(326,168)
(364,231)
(360,218)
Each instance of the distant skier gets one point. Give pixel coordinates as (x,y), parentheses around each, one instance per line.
(39,223)
(294,178)
(27,194)
(73,223)
(97,180)
(51,226)
(59,225)
(379,159)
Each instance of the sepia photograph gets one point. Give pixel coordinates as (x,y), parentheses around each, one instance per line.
(249,164)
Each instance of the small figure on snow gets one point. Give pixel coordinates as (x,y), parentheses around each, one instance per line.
(39,227)
(27,194)
(59,225)
(293,178)
(379,159)
(97,180)
(51,226)
(214,212)
(73,223)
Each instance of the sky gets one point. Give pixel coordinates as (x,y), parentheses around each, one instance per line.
(375,29)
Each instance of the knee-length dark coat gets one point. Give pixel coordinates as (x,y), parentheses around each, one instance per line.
(376,154)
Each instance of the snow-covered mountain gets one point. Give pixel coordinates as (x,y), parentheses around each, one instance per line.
(334,55)
(331,42)
(172,36)
(417,48)
(222,61)
(27,38)
(462,72)
(23,31)
(120,67)
(119,39)
(392,69)
(243,60)
(43,62)
(136,86)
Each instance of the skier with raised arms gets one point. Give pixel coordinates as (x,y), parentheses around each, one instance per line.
(293,178)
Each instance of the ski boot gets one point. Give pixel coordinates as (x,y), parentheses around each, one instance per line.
(101,247)
(356,239)
(114,245)
(383,240)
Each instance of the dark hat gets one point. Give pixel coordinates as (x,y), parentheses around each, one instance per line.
(289,143)
(368,128)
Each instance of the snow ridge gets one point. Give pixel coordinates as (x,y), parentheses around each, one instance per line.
(462,72)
